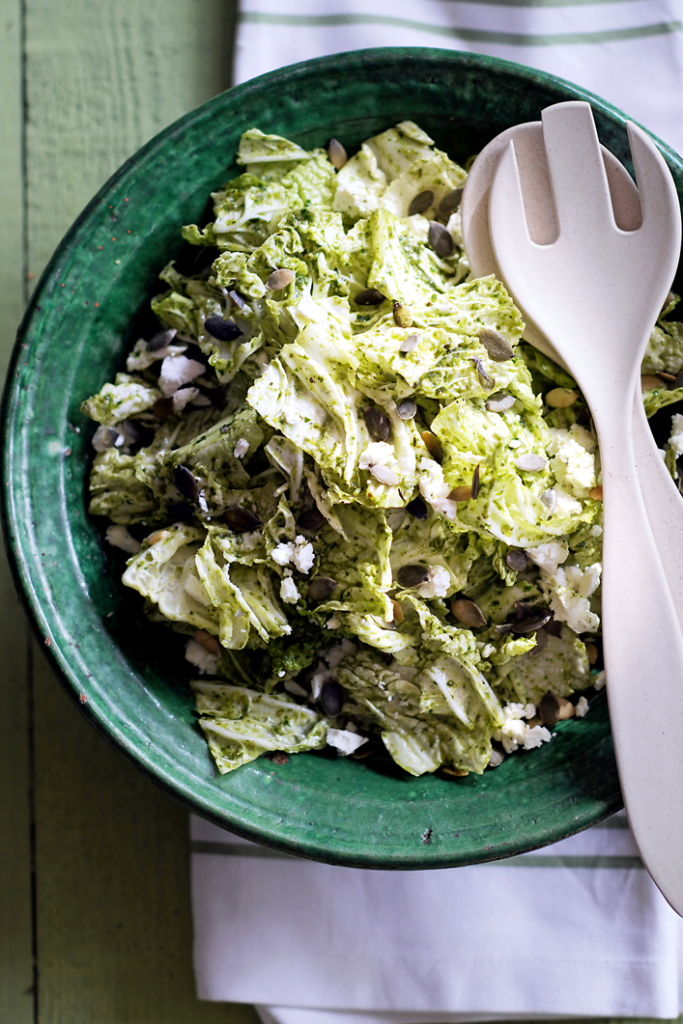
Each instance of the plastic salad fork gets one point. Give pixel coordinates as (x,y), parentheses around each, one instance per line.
(663,503)
(596,290)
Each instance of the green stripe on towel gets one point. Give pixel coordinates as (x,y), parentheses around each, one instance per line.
(473,35)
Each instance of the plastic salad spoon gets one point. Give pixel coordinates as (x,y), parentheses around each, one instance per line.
(663,503)
(596,291)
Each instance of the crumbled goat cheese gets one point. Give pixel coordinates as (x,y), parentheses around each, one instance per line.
(299,552)
(344,741)
(600,680)
(569,590)
(333,623)
(572,464)
(241,448)
(176,371)
(333,655)
(377,453)
(202,659)
(516,733)
(548,556)
(288,591)
(141,358)
(676,438)
(437,583)
(581,708)
(183,397)
(119,537)
(435,490)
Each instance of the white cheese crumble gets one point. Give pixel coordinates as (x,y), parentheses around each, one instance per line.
(202,659)
(176,371)
(299,553)
(320,676)
(437,583)
(333,655)
(344,741)
(569,590)
(288,591)
(241,448)
(141,358)
(515,733)
(119,537)
(435,490)
(572,464)
(581,708)
(548,556)
(676,438)
(183,397)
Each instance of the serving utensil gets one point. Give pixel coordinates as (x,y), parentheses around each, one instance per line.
(595,289)
(660,494)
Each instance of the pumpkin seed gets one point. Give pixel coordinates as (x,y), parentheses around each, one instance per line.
(560,398)
(223,330)
(549,499)
(595,493)
(410,576)
(184,480)
(517,559)
(377,423)
(241,520)
(649,381)
(332,698)
(337,154)
(421,202)
(417,508)
(469,613)
(162,408)
(384,475)
(462,493)
(399,614)
(406,409)
(536,620)
(678,383)
(433,445)
(280,279)
(207,641)
(161,339)
(440,239)
(487,381)
(592,654)
(409,343)
(549,710)
(455,773)
(497,757)
(402,315)
(320,588)
(474,487)
(240,302)
(497,346)
(530,463)
(369,297)
(310,520)
(450,202)
(500,402)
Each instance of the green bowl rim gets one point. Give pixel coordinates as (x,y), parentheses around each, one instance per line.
(20,564)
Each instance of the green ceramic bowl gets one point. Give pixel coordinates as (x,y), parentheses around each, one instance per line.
(91,304)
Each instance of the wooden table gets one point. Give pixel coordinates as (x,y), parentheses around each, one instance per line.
(94,861)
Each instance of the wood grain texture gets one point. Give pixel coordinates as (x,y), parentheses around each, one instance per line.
(16,955)
(102,79)
(112,864)
(113,926)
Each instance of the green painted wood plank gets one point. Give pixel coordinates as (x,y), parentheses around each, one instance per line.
(114,922)
(112,851)
(16,955)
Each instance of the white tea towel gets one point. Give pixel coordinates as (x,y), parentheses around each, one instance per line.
(628,51)
(576,929)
